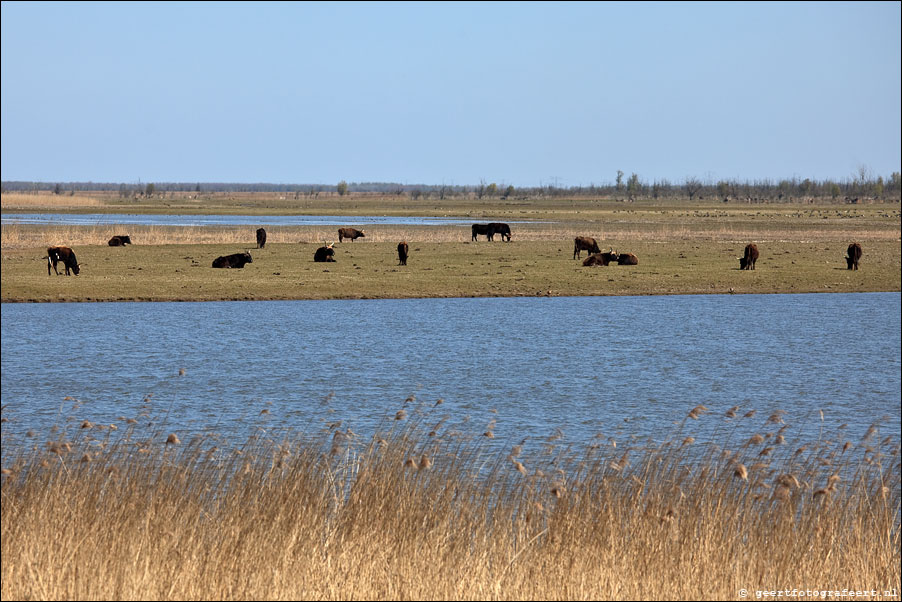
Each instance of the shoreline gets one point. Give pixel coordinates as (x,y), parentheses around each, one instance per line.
(395,298)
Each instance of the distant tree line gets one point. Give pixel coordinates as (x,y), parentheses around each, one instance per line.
(862,186)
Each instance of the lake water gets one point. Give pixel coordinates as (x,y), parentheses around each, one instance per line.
(612,367)
(102,219)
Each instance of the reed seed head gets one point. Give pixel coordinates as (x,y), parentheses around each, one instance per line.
(697,411)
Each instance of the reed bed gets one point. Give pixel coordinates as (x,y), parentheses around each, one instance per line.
(420,510)
(43,201)
(23,236)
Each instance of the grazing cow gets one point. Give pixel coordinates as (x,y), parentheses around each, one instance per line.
(499,228)
(236,260)
(853,255)
(402,253)
(584,243)
(747,262)
(261,238)
(627,259)
(324,254)
(349,233)
(64,254)
(483,229)
(120,240)
(602,259)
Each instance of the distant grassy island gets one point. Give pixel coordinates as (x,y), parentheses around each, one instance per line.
(683,248)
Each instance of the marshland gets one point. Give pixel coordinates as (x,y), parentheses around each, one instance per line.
(683,248)
(606,442)
(422,510)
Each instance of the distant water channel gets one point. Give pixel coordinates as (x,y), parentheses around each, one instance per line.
(103,219)
(613,367)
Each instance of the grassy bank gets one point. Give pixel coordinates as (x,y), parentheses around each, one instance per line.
(421,511)
(682,249)
(442,269)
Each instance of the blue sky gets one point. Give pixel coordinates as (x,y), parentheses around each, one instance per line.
(513,93)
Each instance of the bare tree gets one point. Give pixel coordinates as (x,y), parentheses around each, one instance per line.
(692,186)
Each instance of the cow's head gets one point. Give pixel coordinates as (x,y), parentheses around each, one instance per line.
(742,263)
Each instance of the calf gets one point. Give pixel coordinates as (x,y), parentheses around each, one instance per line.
(853,255)
(627,259)
(602,259)
(402,253)
(350,233)
(236,260)
(64,254)
(584,243)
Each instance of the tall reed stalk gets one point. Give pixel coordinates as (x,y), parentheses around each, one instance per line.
(426,512)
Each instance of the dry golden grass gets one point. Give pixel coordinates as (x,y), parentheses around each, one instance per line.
(420,512)
(46,200)
(20,236)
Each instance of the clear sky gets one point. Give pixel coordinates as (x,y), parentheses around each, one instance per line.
(430,93)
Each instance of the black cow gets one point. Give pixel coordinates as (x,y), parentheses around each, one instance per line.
(324,254)
(402,253)
(350,233)
(64,254)
(601,258)
(747,261)
(853,255)
(627,259)
(584,243)
(499,228)
(261,238)
(483,229)
(120,240)
(236,260)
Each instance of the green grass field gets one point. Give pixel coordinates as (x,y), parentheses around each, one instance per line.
(682,249)
(445,269)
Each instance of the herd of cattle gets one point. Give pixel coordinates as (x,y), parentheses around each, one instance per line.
(327,253)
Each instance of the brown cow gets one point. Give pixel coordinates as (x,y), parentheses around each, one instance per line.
(402,253)
(120,240)
(349,233)
(853,255)
(627,259)
(261,238)
(324,254)
(747,262)
(602,259)
(584,243)
(64,254)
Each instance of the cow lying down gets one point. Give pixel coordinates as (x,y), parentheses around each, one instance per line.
(236,260)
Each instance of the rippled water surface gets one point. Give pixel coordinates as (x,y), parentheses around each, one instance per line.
(587,366)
